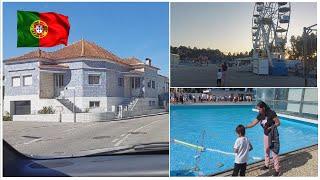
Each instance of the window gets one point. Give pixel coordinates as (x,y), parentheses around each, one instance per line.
(59,80)
(132,82)
(120,82)
(16,81)
(94,79)
(153,84)
(94,104)
(152,103)
(137,82)
(149,84)
(27,80)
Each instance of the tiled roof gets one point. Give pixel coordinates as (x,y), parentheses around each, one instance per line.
(32,55)
(79,49)
(84,49)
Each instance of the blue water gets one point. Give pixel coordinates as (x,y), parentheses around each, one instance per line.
(188,123)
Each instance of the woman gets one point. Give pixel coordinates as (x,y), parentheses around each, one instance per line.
(269,121)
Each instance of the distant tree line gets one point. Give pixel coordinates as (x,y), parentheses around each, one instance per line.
(216,56)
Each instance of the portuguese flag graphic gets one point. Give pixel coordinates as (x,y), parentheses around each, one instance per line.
(42,29)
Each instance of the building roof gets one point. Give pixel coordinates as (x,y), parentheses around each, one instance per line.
(31,55)
(79,49)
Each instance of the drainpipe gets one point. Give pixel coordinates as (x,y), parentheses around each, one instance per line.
(74,104)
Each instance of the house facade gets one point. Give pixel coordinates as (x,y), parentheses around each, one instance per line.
(81,74)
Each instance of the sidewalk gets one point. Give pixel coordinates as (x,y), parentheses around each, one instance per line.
(302,162)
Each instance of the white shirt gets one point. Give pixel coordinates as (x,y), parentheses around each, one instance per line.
(219,74)
(263,122)
(242,144)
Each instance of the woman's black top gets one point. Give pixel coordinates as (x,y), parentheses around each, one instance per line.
(266,120)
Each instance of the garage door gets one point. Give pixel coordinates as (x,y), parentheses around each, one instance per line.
(22,107)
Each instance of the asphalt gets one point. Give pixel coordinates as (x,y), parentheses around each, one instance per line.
(70,139)
(206,76)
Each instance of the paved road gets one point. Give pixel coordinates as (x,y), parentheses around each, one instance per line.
(66,139)
(205,76)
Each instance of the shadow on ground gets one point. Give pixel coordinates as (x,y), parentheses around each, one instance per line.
(295,161)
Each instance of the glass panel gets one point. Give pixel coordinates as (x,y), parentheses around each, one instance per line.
(311,95)
(27,80)
(15,81)
(94,79)
(295,94)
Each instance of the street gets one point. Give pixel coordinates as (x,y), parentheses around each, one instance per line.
(67,139)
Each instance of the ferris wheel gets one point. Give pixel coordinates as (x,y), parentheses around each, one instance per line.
(270,24)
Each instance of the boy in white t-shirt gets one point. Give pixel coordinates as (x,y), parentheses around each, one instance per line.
(241,147)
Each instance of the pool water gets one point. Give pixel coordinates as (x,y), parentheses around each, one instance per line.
(213,127)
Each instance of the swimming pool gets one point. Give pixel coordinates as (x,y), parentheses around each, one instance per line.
(213,127)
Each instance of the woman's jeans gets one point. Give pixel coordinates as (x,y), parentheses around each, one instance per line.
(275,157)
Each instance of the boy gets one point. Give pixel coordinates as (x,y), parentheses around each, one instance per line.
(219,77)
(241,147)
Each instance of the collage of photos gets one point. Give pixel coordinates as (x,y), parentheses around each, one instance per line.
(159,89)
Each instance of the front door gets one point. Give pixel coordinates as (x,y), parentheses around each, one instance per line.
(58,84)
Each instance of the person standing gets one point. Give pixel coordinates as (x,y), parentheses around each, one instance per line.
(224,68)
(269,122)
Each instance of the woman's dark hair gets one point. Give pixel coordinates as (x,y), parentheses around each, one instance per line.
(262,104)
(241,130)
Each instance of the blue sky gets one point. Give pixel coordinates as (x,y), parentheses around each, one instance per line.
(227,26)
(126,29)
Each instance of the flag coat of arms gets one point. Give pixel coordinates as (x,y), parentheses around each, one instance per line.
(42,29)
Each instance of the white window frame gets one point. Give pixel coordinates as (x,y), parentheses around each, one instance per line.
(99,75)
(24,82)
(12,81)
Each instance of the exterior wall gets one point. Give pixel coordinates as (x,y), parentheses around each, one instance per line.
(80,117)
(150,75)
(108,92)
(106,103)
(109,75)
(21,69)
(46,85)
(36,103)
(163,84)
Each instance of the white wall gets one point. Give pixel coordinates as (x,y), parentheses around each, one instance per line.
(80,117)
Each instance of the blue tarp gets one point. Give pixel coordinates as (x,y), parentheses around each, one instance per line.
(279,68)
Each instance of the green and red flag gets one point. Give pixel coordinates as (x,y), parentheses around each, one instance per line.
(42,29)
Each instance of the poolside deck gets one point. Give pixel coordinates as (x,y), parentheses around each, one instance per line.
(303,162)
